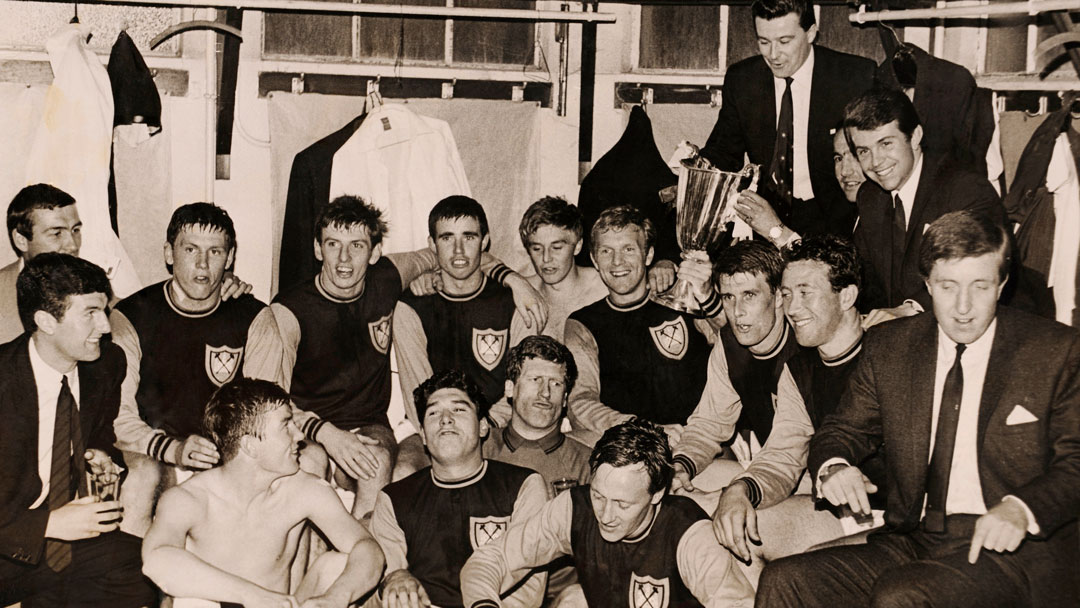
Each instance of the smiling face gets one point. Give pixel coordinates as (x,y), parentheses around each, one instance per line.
(539,396)
(452,430)
(53,230)
(199,258)
(813,308)
(345,254)
(848,171)
(458,243)
(278,444)
(77,335)
(552,250)
(752,309)
(622,260)
(886,154)
(965,292)
(783,43)
(621,501)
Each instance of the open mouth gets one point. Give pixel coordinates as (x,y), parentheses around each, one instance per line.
(459,263)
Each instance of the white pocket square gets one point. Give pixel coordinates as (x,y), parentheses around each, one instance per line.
(1020,415)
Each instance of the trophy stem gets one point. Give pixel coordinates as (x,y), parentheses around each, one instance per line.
(681,295)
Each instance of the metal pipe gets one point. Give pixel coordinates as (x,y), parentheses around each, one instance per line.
(312,6)
(983,10)
(210,94)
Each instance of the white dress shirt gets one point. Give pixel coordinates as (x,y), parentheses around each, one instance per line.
(48,382)
(908,191)
(800,105)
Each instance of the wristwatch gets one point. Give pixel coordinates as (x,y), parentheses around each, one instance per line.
(776,232)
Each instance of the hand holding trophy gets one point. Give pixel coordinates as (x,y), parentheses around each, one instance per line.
(704,204)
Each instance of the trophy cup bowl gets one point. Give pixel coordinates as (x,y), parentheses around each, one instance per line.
(704,204)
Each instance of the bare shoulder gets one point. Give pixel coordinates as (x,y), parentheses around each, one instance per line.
(307,489)
(187,501)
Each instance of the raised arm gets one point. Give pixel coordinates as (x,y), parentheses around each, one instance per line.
(410,348)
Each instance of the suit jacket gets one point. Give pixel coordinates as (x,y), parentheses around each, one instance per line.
(11,326)
(22,529)
(308,194)
(1034,363)
(943,188)
(747,125)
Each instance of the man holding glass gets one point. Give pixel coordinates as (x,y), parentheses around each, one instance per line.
(59,394)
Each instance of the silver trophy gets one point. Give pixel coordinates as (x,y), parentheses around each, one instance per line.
(704,204)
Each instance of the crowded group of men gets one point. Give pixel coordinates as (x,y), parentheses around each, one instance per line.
(854,419)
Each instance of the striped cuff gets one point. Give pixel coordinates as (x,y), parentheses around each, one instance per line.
(159,445)
(499,272)
(753,490)
(712,305)
(312,427)
(687,464)
(484,604)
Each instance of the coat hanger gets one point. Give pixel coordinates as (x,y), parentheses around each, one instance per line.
(374,101)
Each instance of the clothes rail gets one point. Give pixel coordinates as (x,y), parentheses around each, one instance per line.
(981,10)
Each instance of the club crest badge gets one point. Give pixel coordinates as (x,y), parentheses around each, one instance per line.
(671,338)
(379,331)
(222,362)
(488,346)
(483,530)
(648,592)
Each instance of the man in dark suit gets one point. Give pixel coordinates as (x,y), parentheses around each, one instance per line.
(59,543)
(908,188)
(778,109)
(977,409)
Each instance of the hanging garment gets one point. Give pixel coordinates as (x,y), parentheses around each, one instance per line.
(1062,182)
(72,150)
(402,164)
(632,173)
(308,194)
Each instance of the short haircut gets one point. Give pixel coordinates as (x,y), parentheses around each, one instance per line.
(774,9)
(545,348)
(50,279)
(347,212)
(618,218)
(239,408)
(632,442)
(878,107)
(838,253)
(28,200)
(550,211)
(750,257)
(207,216)
(449,378)
(964,234)
(454,208)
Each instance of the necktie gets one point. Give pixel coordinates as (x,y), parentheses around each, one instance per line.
(68,472)
(937,479)
(783,153)
(899,244)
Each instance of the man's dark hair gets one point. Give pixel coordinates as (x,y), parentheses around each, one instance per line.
(964,234)
(206,216)
(239,408)
(835,252)
(348,211)
(750,257)
(878,107)
(633,442)
(50,279)
(618,218)
(28,200)
(450,378)
(545,348)
(457,207)
(553,211)
(774,9)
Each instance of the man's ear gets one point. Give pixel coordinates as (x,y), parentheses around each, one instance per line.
(22,244)
(916,137)
(658,496)
(508,389)
(811,33)
(848,296)
(431,245)
(1001,286)
(649,256)
(376,253)
(485,428)
(231,258)
(485,242)
(318,249)
(45,322)
(168,250)
(577,248)
(248,446)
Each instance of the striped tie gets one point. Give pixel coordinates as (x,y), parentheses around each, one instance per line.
(68,470)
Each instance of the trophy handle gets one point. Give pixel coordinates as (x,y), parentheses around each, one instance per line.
(754,171)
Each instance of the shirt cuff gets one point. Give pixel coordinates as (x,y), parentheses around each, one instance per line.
(312,427)
(1033,526)
(484,604)
(687,464)
(753,490)
(817,478)
(159,445)
(500,272)
(712,305)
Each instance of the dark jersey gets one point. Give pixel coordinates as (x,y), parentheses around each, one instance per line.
(342,369)
(634,573)
(470,333)
(445,522)
(653,361)
(185,356)
(755,377)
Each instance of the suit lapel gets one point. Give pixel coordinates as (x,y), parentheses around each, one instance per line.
(89,379)
(767,111)
(999,368)
(921,384)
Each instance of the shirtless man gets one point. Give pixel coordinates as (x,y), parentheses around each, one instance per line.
(229,534)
